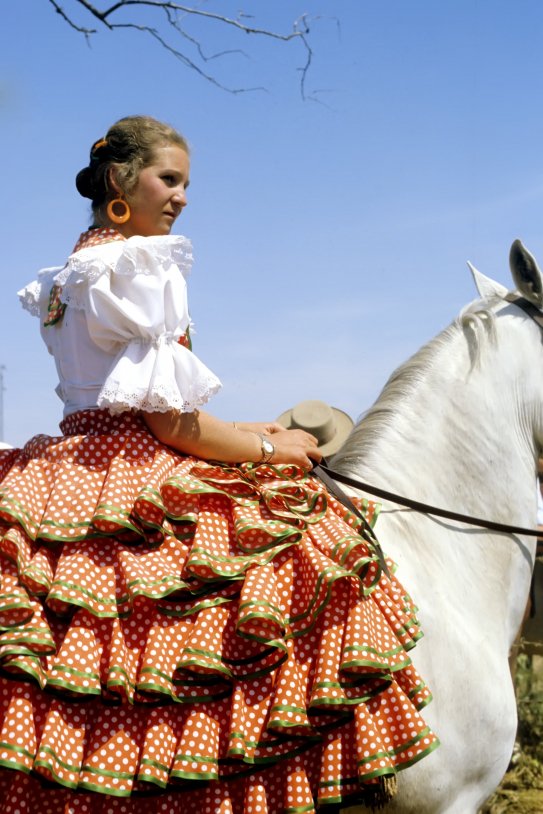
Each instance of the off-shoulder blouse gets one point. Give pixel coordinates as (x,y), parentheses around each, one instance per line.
(116,344)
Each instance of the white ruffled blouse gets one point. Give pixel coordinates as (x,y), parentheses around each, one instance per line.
(116,346)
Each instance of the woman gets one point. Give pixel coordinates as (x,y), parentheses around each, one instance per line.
(220,635)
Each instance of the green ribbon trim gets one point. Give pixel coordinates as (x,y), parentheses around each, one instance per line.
(113,514)
(181,775)
(333,573)
(424,702)
(246,618)
(157,689)
(107,773)
(21,650)
(360,698)
(200,662)
(70,767)
(196,608)
(398,750)
(14,764)
(196,759)
(19,750)
(415,759)
(147,583)
(72,671)
(39,678)
(380,665)
(385,654)
(288,708)
(308,742)
(21,515)
(115,682)
(65,685)
(243,560)
(86,784)
(155,764)
(37,575)
(151,778)
(25,641)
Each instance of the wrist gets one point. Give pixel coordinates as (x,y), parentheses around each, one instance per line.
(267,449)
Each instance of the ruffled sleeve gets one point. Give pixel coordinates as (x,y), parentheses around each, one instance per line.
(134,297)
(36,295)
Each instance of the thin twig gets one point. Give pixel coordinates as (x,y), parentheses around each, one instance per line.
(172,10)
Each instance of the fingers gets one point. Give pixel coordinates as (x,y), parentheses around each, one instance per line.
(315,455)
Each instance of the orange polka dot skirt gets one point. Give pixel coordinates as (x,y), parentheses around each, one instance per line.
(218,638)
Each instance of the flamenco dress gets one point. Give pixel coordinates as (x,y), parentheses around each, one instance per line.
(180,635)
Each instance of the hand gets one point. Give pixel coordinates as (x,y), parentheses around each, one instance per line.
(265,427)
(295,447)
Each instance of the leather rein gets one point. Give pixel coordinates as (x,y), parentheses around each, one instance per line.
(424,508)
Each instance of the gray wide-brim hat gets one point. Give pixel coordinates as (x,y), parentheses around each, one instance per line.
(329,425)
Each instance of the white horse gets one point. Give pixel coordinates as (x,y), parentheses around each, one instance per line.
(460,426)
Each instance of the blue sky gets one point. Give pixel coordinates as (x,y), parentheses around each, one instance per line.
(330,236)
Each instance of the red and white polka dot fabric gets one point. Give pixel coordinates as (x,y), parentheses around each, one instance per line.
(219,637)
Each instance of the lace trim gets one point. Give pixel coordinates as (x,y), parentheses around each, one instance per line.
(30,298)
(161,400)
(36,293)
(136,255)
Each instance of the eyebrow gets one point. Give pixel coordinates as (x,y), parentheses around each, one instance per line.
(177,173)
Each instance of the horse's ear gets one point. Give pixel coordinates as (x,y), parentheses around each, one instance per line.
(487,287)
(526,274)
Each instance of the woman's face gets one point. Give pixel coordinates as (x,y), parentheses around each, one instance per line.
(159,195)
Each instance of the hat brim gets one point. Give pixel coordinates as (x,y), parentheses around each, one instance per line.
(343,424)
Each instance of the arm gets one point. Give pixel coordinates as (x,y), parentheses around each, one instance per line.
(207,437)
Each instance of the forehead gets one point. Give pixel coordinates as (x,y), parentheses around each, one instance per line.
(171,156)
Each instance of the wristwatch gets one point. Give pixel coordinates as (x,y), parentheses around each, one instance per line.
(267,449)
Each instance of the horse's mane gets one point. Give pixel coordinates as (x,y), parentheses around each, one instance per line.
(476,322)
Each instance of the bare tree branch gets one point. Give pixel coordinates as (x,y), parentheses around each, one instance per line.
(173,12)
(70,22)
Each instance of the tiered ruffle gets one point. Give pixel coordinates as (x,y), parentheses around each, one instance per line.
(220,636)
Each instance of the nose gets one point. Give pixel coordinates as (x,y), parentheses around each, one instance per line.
(179,198)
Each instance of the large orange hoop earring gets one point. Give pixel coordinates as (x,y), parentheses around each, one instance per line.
(118,216)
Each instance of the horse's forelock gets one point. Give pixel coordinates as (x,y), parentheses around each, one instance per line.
(478,321)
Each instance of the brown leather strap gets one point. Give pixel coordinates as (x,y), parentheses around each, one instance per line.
(425,508)
(528,307)
(322,472)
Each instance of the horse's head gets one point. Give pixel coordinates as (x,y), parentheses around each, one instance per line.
(526,276)
(528,297)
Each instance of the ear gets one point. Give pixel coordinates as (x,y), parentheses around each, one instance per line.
(112,182)
(526,274)
(487,287)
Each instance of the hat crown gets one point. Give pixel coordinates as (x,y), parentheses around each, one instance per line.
(329,425)
(315,417)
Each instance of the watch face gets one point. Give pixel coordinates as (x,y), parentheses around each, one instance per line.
(267,446)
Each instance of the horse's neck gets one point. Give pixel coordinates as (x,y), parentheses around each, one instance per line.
(450,435)
(456,438)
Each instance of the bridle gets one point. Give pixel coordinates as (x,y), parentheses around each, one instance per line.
(330,476)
